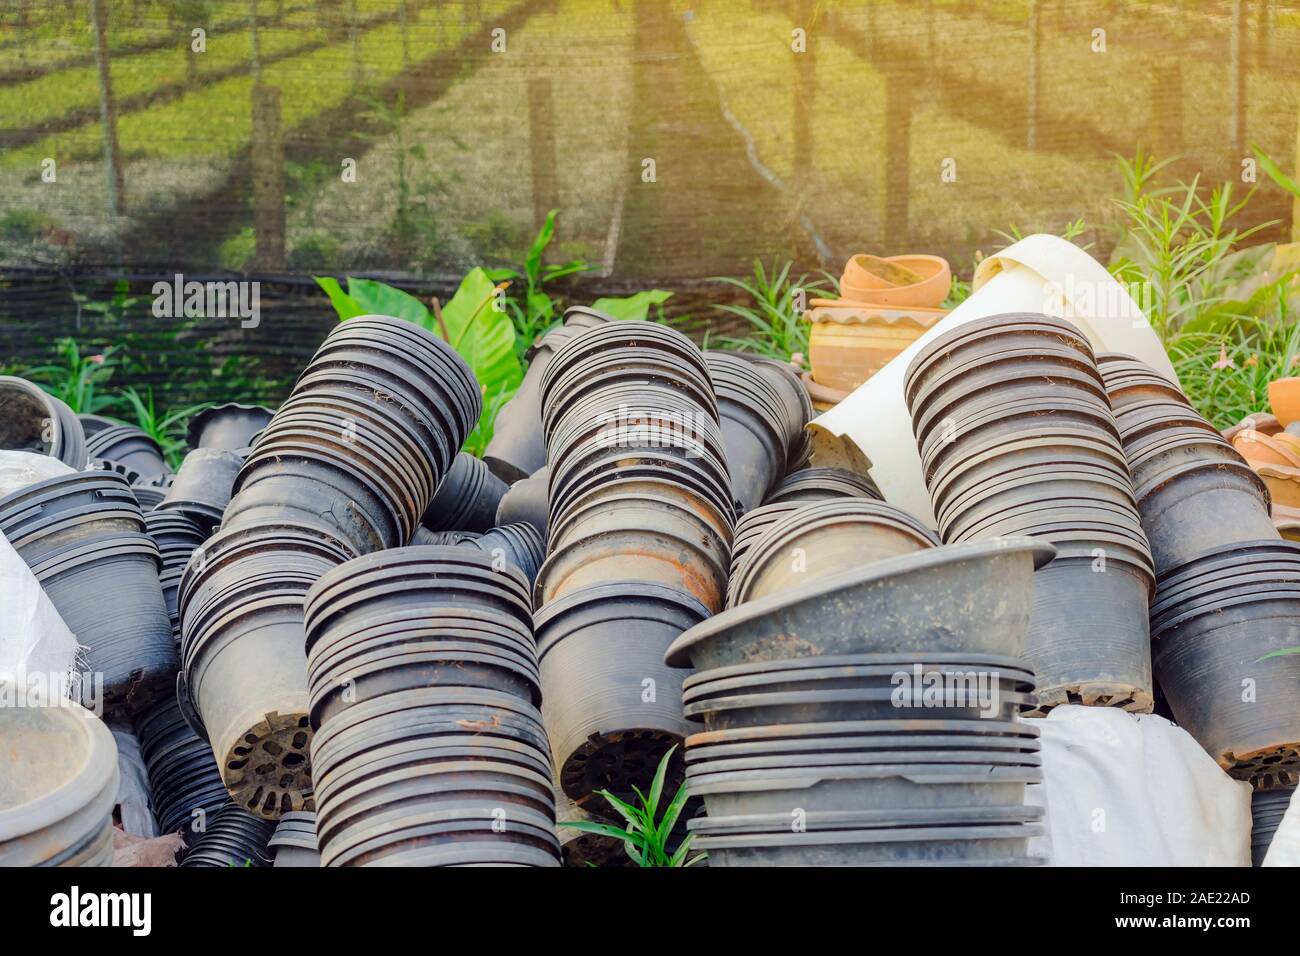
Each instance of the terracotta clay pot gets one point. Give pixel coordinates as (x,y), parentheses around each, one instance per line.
(1284,399)
(846,346)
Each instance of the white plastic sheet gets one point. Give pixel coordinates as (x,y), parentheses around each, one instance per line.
(1128,790)
(18,469)
(133,785)
(37,650)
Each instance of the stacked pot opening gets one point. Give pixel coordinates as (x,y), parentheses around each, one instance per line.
(230,837)
(345,467)
(640,524)
(858,703)
(429,748)
(1017,437)
(1223,604)
(33,420)
(184,783)
(85,539)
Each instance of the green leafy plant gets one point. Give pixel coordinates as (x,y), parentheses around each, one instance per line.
(774,315)
(79,379)
(531,306)
(166,428)
(473,322)
(1176,254)
(645,833)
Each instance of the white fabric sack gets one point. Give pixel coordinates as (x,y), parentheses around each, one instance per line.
(1128,790)
(18,469)
(1285,848)
(35,644)
(133,785)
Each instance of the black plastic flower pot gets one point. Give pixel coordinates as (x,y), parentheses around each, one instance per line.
(527,500)
(227,427)
(294,842)
(131,447)
(233,837)
(1204,658)
(796,403)
(109,596)
(612,340)
(202,486)
(971,598)
(817,484)
(70,510)
(607,475)
(1267,808)
(520,545)
(518,447)
(183,774)
(909,846)
(93,424)
(861,787)
(827,537)
(611,707)
(61,781)
(467,499)
(670,539)
(1217,568)
(1199,507)
(755,460)
(33,420)
(458,837)
(403,722)
(1088,635)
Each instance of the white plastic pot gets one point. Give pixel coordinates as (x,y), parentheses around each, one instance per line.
(1041,273)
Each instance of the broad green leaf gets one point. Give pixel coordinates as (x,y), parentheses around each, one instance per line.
(533,264)
(380,299)
(628,812)
(671,814)
(484,335)
(657,785)
(634,307)
(603,829)
(346,306)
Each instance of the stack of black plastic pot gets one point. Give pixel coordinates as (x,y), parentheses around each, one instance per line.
(1017,437)
(1267,808)
(294,842)
(228,427)
(201,488)
(83,536)
(763,433)
(346,467)
(230,837)
(35,421)
(177,536)
(429,749)
(517,448)
(129,447)
(1225,603)
(818,484)
(640,528)
(830,741)
(184,783)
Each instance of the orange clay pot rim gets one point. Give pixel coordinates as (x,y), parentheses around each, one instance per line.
(848,312)
(817,390)
(1270,470)
(1281,449)
(925,266)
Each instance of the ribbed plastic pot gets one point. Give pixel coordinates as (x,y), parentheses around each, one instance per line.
(92,424)
(108,594)
(227,427)
(749,528)
(827,537)
(611,707)
(1267,808)
(909,846)
(518,447)
(639,537)
(294,842)
(971,597)
(233,837)
(58,789)
(1089,640)
(520,545)
(818,484)
(1203,657)
(183,773)
(202,486)
(68,511)
(33,420)
(527,500)
(1197,507)
(467,499)
(700,478)
(129,446)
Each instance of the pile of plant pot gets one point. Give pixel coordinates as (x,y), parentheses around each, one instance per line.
(819,745)
(184,783)
(129,447)
(429,749)
(346,467)
(201,489)
(640,527)
(228,427)
(85,539)
(58,787)
(1222,607)
(231,837)
(467,499)
(817,484)
(294,842)
(1267,808)
(35,421)
(177,536)
(1017,437)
